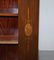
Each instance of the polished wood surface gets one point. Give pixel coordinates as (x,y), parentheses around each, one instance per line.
(23,50)
(8,21)
(8,52)
(8,14)
(8,8)
(6,4)
(28,51)
(8,28)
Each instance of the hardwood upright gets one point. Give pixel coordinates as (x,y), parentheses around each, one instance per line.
(31,52)
(27,47)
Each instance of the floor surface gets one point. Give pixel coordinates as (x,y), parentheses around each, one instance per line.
(46,55)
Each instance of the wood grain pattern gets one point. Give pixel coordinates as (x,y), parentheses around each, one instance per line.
(31,52)
(8,30)
(8,14)
(5,4)
(8,25)
(21,50)
(8,52)
(9,7)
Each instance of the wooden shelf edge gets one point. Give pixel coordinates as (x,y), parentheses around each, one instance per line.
(8,42)
(8,14)
(11,39)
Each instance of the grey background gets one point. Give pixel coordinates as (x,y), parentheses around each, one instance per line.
(46,25)
(46,55)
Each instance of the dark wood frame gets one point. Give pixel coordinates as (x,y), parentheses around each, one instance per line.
(32,53)
(21,51)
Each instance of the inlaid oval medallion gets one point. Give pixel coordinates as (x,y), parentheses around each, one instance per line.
(28,29)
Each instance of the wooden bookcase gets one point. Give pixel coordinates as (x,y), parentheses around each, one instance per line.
(9,22)
(18,37)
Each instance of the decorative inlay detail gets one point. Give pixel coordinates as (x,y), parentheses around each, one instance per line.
(28,26)
(28,29)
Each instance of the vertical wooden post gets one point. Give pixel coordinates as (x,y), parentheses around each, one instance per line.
(32,52)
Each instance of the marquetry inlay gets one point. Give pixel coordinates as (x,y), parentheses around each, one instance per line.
(28,27)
